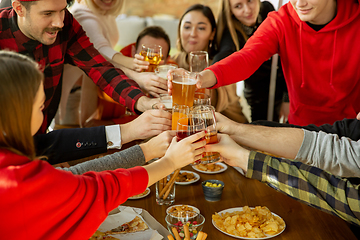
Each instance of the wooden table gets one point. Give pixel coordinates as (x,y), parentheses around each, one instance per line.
(302,221)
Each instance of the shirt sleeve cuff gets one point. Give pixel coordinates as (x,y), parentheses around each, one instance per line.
(113,137)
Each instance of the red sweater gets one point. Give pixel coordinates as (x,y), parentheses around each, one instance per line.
(321,69)
(38,201)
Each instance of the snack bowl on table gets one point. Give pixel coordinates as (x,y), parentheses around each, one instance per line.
(195,223)
(213,189)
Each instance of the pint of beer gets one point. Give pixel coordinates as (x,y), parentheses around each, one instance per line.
(152,54)
(183,91)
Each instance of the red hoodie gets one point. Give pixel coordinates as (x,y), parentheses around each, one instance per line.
(38,201)
(321,68)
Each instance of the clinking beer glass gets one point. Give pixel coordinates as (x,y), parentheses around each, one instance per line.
(207,113)
(183,88)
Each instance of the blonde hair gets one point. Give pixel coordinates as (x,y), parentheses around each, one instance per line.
(227,20)
(20,79)
(114,11)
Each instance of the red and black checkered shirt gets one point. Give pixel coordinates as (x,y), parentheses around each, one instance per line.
(71,46)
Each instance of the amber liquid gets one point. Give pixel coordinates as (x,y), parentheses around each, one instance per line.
(174,119)
(200,90)
(183,91)
(153,58)
(209,157)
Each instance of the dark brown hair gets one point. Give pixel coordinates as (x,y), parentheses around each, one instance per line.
(207,12)
(20,80)
(155,32)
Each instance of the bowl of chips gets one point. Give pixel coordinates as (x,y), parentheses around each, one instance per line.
(194,224)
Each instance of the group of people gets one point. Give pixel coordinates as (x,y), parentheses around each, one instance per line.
(40,39)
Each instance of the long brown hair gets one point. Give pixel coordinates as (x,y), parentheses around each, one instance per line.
(20,79)
(207,12)
(227,20)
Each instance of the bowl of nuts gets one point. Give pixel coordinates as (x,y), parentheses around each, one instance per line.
(213,189)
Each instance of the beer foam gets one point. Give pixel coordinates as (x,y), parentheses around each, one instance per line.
(186,81)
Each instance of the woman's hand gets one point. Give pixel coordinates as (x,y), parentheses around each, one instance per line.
(139,63)
(186,151)
(232,153)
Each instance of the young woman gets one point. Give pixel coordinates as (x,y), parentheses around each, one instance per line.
(47,203)
(237,21)
(197,32)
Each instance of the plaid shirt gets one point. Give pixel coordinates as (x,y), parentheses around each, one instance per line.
(310,185)
(71,46)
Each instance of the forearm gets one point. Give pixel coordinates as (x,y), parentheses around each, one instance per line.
(284,142)
(127,158)
(289,177)
(127,62)
(158,170)
(338,156)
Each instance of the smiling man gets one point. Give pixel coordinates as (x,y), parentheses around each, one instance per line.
(45,31)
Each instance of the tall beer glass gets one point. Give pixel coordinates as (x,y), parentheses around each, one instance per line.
(183,88)
(207,113)
(198,61)
(152,54)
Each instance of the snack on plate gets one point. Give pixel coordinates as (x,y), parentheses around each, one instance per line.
(180,211)
(98,235)
(141,194)
(135,225)
(185,177)
(209,167)
(251,223)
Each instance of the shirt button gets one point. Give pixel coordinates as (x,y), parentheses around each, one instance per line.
(110,143)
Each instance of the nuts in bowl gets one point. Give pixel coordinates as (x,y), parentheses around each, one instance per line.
(182,211)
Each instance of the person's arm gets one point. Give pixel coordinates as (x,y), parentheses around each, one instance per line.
(318,148)
(242,64)
(345,128)
(127,158)
(111,80)
(310,185)
(272,140)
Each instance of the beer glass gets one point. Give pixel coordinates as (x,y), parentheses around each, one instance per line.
(188,126)
(152,54)
(178,111)
(183,91)
(207,113)
(162,70)
(198,61)
(201,99)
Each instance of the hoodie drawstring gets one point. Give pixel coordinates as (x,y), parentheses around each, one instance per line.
(333,62)
(301,57)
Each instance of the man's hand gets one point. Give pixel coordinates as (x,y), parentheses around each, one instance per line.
(145,103)
(232,153)
(152,83)
(224,124)
(148,124)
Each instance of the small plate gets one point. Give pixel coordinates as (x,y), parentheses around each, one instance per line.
(141,195)
(194,209)
(230,210)
(224,167)
(197,177)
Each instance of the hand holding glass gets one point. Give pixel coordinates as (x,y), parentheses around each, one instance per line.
(152,54)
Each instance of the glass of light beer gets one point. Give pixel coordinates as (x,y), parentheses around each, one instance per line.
(207,113)
(152,54)
(183,88)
